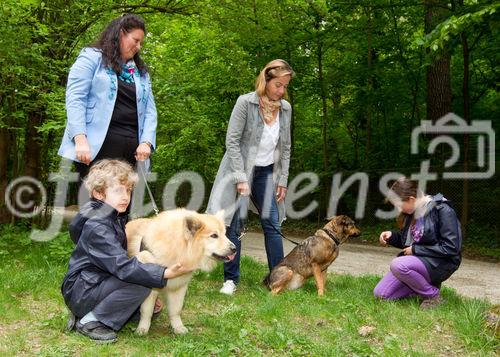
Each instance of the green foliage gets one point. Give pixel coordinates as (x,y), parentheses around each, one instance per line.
(14,242)
(448,31)
(191,67)
(358,93)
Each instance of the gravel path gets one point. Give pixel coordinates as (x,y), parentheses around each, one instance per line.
(473,279)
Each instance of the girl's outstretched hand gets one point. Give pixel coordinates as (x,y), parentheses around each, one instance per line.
(384,237)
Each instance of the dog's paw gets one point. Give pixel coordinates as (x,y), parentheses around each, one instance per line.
(142,330)
(180,330)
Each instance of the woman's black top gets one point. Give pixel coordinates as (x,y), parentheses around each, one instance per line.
(124,118)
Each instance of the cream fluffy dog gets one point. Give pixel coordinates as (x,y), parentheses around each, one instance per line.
(195,240)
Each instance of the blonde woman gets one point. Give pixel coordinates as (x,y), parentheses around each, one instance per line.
(256,164)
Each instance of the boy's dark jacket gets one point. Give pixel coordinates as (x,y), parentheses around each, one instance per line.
(441,243)
(101,252)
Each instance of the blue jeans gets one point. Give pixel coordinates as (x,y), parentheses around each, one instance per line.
(264,197)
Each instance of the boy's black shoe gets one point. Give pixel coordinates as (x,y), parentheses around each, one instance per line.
(97,331)
(70,325)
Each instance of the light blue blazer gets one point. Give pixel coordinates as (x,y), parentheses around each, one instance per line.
(90,100)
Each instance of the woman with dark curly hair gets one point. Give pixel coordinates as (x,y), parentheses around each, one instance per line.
(111,113)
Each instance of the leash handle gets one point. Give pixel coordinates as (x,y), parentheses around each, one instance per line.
(272,224)
(242,206)
(141,166)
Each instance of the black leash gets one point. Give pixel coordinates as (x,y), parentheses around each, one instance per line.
(272,225)
(330,234)
(141,164)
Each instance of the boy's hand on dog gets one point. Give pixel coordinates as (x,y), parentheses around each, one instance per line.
(176,270)
(384,237)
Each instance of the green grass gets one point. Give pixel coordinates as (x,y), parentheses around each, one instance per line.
(251,323)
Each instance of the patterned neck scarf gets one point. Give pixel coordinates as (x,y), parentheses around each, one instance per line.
(417,229)
(127,73)
(268,107)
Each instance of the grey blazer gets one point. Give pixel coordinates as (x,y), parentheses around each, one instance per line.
(242,142)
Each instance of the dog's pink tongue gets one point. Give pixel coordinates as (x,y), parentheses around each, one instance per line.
(231,257)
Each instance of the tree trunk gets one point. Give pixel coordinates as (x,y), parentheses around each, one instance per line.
(466,104)
(438,89)
(324,133)
(369,109)
(324,107)
(415,109)
(438,73)
(33,147)
(439,93)
(4,178)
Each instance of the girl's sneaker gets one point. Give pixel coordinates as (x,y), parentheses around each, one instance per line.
(431,303)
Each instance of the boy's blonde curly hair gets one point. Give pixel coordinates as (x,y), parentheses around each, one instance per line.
(106,173)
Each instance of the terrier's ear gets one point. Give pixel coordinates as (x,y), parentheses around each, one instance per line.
(193,224)
(346,221)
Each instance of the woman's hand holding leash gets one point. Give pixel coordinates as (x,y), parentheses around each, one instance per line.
(82,148)
(142,152)
(242,188)
(280,193)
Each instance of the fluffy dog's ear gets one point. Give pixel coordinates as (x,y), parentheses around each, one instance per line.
(329,218)
(193,224)
(220,214)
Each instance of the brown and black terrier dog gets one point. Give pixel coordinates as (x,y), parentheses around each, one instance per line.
(312,257)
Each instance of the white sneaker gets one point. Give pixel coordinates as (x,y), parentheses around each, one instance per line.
(228,288)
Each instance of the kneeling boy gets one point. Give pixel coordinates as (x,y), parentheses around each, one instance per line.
(103,286)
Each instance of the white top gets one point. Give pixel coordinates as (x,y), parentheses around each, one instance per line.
(268,142)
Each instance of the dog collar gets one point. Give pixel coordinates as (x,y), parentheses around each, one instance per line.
(330,234)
